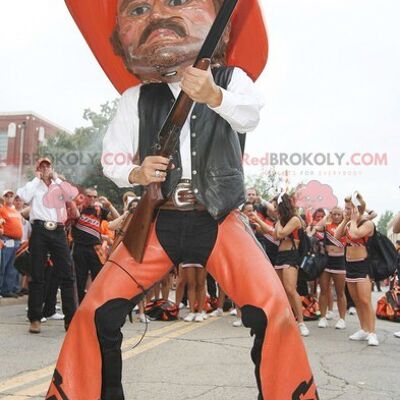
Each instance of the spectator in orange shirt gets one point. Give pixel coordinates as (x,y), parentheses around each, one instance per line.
(26,234)
(107,235)
(12,234)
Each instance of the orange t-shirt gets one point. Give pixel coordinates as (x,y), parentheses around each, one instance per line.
(12,226)
(104,229)
(1,231)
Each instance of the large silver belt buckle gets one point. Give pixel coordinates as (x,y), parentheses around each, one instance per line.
(182,187)
(50,225)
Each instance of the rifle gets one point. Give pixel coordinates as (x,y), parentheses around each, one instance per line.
(138,226)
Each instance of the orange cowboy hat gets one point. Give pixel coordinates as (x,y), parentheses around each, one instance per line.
(96,21)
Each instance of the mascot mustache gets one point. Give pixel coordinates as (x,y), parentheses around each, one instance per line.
(160,60)
(172,24)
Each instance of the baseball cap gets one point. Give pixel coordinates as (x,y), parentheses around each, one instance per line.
(8,191)
(42,160)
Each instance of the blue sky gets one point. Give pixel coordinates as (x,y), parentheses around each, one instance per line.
(331,84)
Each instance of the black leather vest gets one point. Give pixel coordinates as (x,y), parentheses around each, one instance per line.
(216,155)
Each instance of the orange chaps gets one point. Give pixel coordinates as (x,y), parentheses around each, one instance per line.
(244,272)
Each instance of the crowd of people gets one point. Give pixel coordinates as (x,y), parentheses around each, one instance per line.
(44,248)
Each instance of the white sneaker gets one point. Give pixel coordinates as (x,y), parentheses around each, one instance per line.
(43,319)
(323,323)
(198,317)
(233,312)
(352,311)
(190,317)
(56,316)
(359,335)
(303,329)
(205,315)
(144,319)
(217,313)
(238,323)
(397,334)
(341,324)
(329,315)
(373,339)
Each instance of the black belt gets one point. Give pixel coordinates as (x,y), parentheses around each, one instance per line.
(49,225)
(170,206)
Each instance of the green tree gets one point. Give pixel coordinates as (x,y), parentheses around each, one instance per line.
(384,220)
(77,157)
(267,184)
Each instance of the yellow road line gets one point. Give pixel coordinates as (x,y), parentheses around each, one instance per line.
(28,377)
(29,392)
(157,342)
(151,334)
(40,389)
(23,379)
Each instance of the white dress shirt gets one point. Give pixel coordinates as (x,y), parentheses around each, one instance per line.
(241,105)
(33,193)
(26,229)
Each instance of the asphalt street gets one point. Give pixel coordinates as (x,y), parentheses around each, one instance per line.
(204,361)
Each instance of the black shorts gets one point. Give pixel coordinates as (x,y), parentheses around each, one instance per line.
(357,270)
(336,265)
(188,237)
(287,258)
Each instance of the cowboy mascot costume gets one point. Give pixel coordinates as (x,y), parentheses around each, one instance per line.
(147,49)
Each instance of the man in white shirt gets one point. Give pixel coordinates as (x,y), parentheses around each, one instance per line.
(158,41)
(47,197)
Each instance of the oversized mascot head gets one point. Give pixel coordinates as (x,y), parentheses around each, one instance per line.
(153,40)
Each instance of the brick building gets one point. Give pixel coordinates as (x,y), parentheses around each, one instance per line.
(20,135)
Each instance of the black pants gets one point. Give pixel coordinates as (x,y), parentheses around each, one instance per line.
(187,237)
(211,286)
(85,260)
(51,287)
(54,242)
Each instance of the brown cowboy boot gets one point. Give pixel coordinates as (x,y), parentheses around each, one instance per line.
(35,327)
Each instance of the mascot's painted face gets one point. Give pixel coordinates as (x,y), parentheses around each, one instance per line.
(160,37)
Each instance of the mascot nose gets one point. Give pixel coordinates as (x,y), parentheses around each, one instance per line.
(158,11)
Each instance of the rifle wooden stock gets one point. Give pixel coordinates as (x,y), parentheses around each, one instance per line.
(138,227)
(137,232)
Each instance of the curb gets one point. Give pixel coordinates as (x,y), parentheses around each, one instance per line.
(11,301)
